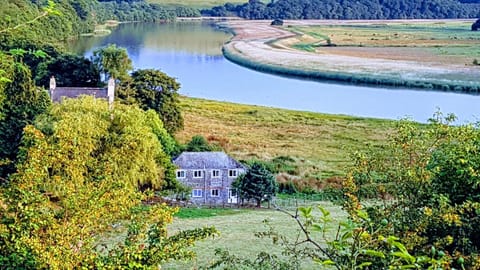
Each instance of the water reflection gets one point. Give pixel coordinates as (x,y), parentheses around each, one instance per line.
(191,52)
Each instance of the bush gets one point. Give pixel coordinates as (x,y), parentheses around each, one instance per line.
(277,22)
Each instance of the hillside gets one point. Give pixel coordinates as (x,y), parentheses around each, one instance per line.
(320,144)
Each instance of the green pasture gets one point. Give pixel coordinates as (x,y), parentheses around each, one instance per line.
(452,38)
(237,233)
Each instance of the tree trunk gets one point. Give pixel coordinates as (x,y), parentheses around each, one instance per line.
(259,201)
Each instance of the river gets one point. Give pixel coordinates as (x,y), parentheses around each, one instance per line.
(191,52)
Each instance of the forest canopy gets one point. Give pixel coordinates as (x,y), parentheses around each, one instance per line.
(342,9)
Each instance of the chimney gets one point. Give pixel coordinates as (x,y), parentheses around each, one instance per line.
(111,92)
(53,85)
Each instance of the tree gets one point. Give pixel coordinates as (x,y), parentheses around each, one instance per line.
(153,89)
(84,174)
(198,143)
(113,62)
(69,70)
(22,103)
(476,25)
(431,175)
(258,184)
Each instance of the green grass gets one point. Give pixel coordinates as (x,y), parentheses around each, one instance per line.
(237,234)
(319,144)
(453,36)
(189,213)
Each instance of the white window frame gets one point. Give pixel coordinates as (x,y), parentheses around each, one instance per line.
(233,173)
(215,176)
(197,193)
(181,172)
(197,171)
(217,191)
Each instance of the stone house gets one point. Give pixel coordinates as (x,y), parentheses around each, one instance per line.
(58,93)
(210,175)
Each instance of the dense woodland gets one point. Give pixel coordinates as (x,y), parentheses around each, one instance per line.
(343,9)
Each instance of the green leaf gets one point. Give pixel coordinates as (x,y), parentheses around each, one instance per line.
(374,253)
(17,52)
(306,211)
(328,262)
(325,212)
(40,54)
(364,264)
(317,227)
(407,257)
(363,215)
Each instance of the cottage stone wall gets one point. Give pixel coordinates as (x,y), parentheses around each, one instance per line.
(207,183)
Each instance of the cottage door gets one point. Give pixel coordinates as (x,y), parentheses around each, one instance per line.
(232,196)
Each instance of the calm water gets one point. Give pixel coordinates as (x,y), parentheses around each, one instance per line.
(191,52)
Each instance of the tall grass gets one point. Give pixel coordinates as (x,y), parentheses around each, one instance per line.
(318,146)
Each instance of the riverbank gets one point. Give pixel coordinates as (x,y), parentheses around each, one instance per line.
(262,47)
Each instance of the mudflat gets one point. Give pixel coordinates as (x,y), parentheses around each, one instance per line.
(439,52)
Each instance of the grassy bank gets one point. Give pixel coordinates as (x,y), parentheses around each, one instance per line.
(351,78)
(361,50)
(320,144)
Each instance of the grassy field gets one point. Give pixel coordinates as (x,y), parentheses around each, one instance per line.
(320,144)
(237,233)
(196,3)
(445,41)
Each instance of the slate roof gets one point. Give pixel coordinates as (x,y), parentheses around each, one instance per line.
(206,160)
(73,92)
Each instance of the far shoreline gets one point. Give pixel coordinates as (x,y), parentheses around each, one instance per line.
(259,46)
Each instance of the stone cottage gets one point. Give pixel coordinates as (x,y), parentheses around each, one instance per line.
(58,93)
(210,175)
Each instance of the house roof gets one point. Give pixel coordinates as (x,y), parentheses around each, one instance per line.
(206,160)
(73,92)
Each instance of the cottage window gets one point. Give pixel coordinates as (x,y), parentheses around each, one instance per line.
(232,173)
(215,173)
(197,193)
(197,174)
(215,192)
(181,174)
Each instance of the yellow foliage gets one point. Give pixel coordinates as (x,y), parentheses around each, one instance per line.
(81,173)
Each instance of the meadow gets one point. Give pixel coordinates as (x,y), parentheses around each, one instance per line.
(237,229)
(320,144)
(442,42)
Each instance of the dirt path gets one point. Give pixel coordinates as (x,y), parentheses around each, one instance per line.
(259,43)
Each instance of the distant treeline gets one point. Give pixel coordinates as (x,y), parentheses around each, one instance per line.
(76,17)
(343,9)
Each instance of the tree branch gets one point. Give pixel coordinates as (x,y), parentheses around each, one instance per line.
(307,234)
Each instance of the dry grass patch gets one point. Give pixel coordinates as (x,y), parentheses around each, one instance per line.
(319,143)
